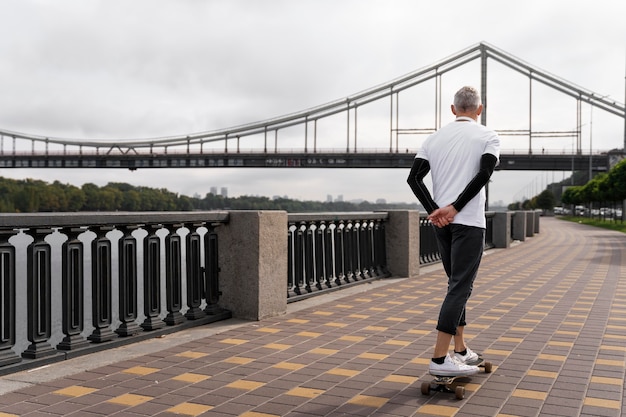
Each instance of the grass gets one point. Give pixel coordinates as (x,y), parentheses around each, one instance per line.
(618,225)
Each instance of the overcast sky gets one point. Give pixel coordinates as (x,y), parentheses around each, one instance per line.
(109,69)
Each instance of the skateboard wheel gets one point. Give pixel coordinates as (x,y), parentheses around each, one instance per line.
(488,367)
(425,388)
(459,391)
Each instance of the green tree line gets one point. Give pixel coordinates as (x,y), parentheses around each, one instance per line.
(29,196)
(606,187)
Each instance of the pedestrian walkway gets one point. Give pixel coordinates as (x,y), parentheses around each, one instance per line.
(550,313)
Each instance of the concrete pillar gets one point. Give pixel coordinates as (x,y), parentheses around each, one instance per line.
(253,264)
(537,218)
(402,241)
(530,223)
(519,226)
(502,229)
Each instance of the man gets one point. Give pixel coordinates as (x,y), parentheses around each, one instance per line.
(461,157)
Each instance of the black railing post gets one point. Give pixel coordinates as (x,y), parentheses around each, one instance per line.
(73,275)
(321,275)
(340,253)
(101,299)
(127,254)
(7,293)
(298,260)
(152,280)
(290,254)
(39,300)
(211,273)
(309,273)
(194,274)
(173,275)
(328,254)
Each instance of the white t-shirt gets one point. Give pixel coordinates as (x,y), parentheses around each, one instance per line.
(454,154)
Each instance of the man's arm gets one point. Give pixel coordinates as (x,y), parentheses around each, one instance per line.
(420,168)
(487,165)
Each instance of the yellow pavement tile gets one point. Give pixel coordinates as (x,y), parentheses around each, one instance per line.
(358,316)
(323,351)
(609,362)
(192,355)
(346,306)
(234,341)
(8,415)
(189,409)
(562,344)
(190,377)
(421,361)
(511,339)
(603,403)
(420,332)
(323,313)
(298,321)
(402,379)
(396,319)
(75,391)
(529,394)
(277,346)
(140,370)
(289,365)
(375,356)
(438,410)
(607,381)
(376,328)
(238,360)
(343,372)
(305,392)
(368,401)
(352,338)
(559,358)
(398,342)
(311,335)
(496,352)
(130,399)
(543,374)
(245,385)
(364,300)
(335,324)
(268,330)
(414,311)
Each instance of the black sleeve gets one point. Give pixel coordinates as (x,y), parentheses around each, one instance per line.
(420,168)
(487,165)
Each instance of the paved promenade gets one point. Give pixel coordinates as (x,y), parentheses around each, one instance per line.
(550,313)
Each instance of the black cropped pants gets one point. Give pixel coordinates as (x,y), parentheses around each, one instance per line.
(461,249)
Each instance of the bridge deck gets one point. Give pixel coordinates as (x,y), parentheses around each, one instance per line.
(550,313)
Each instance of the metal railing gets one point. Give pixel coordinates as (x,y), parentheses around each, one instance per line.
(56,267)
(326,252)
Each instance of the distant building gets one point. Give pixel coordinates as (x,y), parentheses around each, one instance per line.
(381,201)
(224,192)
(339,198)
(213,190)
(329,198)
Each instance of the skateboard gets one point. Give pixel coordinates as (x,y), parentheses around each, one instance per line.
(446,383)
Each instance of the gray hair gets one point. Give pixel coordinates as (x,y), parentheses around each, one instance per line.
(467,99)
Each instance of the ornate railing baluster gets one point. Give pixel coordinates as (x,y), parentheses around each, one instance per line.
(127,254)
(320,267)
(101,299)
(173,275)
(73,275)
(298,260)
(152,280)
(309,265)
(340,254)
(7,298)
(350,247)
(194,274)
(39,300)
(211,273)
(328,254)
(290,254)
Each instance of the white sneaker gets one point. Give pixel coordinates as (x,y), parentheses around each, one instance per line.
(470,358)
(452,367)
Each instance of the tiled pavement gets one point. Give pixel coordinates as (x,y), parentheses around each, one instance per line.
(550,313)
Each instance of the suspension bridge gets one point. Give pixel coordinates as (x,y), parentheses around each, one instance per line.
(376,128)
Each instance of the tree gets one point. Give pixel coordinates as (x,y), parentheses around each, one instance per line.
(545,200)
